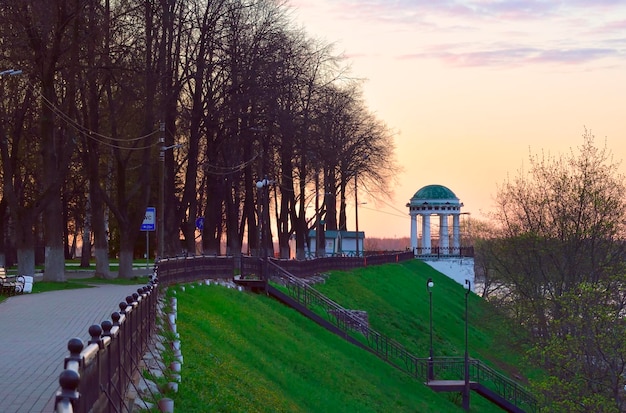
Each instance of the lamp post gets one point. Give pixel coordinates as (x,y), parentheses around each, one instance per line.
(466,388)
(429,286)
(161,213)
(262,186)
(356,212)
(319,247)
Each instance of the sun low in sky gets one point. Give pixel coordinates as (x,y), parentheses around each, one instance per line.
(471,88)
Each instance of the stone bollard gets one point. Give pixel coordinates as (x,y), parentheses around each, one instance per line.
(166,405)
(175,366)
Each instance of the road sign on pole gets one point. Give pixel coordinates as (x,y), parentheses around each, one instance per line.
(200,223)
(149,220)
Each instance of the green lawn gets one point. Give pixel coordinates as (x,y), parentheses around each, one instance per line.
(249,353)
(396,299)
(76,283)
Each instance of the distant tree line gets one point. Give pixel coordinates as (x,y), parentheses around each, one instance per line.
(120,103)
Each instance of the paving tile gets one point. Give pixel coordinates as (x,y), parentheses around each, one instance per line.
(34,331)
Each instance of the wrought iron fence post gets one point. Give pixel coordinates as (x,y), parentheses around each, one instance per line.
(67,398)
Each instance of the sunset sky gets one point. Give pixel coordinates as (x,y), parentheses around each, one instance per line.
(472,87)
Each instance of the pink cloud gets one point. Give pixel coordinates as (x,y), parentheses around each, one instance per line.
(515,56)
(529,31)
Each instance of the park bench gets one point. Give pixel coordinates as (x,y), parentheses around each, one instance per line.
(7,283)
(12,285)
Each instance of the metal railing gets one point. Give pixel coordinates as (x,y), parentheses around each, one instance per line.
(96,376)
(383,346)
(453,368)
(394,353)
(444,252)
(192,268)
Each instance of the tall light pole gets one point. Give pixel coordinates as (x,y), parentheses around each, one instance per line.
(466,388)
(319,248)
(161,213)
(356,213)
(262,186)
(429,286)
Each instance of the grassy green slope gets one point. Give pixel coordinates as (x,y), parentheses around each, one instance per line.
(396,299)
(249,353)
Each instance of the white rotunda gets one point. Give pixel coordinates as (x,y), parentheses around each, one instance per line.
(439,201)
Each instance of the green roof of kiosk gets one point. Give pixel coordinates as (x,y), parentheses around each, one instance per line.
(434,192)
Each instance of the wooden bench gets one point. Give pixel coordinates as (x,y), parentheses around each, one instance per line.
(12,285)
(7,283)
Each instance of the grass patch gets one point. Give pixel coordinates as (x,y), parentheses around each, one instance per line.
(116,281)
(396,299)
(73,284)
(246,352)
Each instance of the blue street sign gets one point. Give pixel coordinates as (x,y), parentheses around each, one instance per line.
(200,223)
(149,220)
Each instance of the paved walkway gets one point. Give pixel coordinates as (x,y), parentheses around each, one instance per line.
(34,331)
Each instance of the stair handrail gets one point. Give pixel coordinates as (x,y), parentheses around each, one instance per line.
(506,387)
(384,347)
(390,350)
(481,373)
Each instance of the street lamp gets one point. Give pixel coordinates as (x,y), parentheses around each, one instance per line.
(429,286)
(466,389)
(161,214)
(262,186)
(356,212)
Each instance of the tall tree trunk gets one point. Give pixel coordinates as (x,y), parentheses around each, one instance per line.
(100,236)
(25,241)
(52,178)
(214,217)
(85,252)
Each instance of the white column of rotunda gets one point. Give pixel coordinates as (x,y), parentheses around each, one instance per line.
(440,201)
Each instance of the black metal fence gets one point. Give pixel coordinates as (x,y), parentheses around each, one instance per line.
(321,265)
(441,252)
(96,376)
(453,368)
(188,269)
(394,353)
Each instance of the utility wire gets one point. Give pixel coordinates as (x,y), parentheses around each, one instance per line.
(88,133)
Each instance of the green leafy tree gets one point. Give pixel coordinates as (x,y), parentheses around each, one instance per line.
(557,258)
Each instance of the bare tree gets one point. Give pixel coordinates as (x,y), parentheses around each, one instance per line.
(45,36)
(560,258)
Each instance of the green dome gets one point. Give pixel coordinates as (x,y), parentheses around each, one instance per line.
(433,192)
